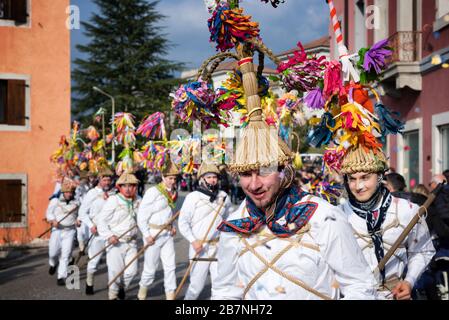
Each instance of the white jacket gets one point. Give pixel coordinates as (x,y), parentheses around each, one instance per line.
(86,204)
(117,216)
(58,209)
(326,253)
(415,252)
(197,214)
(155,210)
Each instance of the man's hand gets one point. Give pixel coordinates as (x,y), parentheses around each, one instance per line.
(93,230)
(150,240)
(78,223)
(54,223)
(402,291)
(113,240)
(173,231)
(197,246)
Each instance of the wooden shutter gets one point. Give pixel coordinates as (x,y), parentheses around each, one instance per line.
(16,102)
(10,201)
(3,100)
(19,11)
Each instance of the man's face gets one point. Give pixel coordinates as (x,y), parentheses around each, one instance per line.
(211,179)
(260,186)
(105,183)
(68,195)
(128,190)
(169,181)
(363,185)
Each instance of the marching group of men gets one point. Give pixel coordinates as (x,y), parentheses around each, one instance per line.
(281,243)
(109,219)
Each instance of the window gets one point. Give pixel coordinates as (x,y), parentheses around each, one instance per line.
(411,156)
(12,102)
(15,10)
(442,8)
(444,131)
(360,28)
(12,208)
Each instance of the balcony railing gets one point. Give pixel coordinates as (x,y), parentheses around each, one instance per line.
(406,45)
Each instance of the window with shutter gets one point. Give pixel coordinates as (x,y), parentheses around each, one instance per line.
(5,9)
(16,102)
(19,11)
(3,93)
(10,201)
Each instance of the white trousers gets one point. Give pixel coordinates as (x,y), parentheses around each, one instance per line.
(82,234)
(165,249)
(60,248)
(198,273)
(96,244)
(117,257)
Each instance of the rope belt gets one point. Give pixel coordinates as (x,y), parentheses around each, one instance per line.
(212,241)
(160,226)
(389,284)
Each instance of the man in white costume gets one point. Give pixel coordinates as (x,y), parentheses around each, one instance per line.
(198,220)
(378,219)
(62,214)
(117,218)
(154,214)
(85,185)
(88,214)
(282,243)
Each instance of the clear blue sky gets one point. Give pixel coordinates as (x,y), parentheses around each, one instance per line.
(186,25)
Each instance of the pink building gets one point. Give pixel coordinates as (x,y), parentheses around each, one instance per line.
(34,111)
(417,82)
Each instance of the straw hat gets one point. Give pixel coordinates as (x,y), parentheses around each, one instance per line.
(68,186)
(259,145)
(105,172)
(127,178)
(207,168)
(361,160)
(170,169)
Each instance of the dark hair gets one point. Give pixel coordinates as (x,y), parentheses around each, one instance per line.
(397,181)
(446,174)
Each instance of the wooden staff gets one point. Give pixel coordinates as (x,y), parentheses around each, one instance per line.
(81,252)
(195,258)
(68,214)
(145,247)
(406,231)
(110,244)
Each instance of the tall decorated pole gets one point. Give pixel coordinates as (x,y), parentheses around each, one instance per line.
(347,67)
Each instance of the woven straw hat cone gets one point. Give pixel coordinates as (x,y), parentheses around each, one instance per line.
(207,168)
(259,145)
(68,186)
(170,169)
(127,178)
(361,160)
(105,172)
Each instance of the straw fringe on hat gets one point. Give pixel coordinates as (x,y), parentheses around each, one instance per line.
(361,160)
(259,145)
(127,178)
(207,168)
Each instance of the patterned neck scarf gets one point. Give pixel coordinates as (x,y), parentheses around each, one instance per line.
(374,218)
(170,196)
(287,206)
